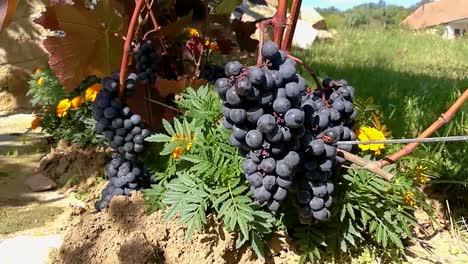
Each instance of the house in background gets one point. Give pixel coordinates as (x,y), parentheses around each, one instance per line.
(452,14)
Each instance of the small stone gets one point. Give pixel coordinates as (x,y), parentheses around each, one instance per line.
(39,183)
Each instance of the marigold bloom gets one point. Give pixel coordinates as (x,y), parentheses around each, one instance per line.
(370,133)
(38,70)
(421,176)
(176,153)
(409,199)
(92,92)
(214,46)
(77,102)
(40,81)
(63,107)
(35,123)
(193,33)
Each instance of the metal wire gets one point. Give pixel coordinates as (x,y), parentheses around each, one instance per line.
(405,140)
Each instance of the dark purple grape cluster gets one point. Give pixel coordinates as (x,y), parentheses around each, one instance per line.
(262,107)
(125,176)
(126,135)
(286,132)
(329,115)
(212,72)
(146,62)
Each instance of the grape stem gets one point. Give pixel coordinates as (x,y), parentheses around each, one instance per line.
(366,164)
(309,70)
(442,120)
(127,45)
(261,38)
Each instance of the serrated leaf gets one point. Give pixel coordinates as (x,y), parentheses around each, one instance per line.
(169,148)
(257,245)
(350,211)
(91,45)
(243,226)
(395,239)
(239,190)
(221,199)
(168,127)
(158,138)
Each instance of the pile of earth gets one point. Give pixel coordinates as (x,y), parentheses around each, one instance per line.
(72,166)
(125,234)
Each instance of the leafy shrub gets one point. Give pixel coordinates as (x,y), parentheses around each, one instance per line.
(202,176)
(64,116)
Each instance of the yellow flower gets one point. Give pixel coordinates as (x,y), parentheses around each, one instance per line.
(77,101)
(62,107)
(370,133)
(92,92)
(192,32)
(38,70)
(35,122)
(421,176)
(40,81)
(409,199)
(176,153)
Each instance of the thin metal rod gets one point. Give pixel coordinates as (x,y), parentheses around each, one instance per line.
(405,140)
(163,104)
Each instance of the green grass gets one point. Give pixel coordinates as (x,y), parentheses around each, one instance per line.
(414,77)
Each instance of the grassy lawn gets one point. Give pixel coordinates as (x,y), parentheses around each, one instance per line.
(414,77)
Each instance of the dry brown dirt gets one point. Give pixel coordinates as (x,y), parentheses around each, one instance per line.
(125,234)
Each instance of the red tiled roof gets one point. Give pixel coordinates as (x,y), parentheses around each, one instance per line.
(437,13)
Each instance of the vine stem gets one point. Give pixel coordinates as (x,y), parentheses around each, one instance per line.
(149,6)
(442,120)
(261,28)
(365,164)
(278,22)
(127,45)
(291,25)
(309,70)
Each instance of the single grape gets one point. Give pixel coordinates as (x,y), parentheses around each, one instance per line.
(266,124)
(275,136)
(249,167)
(232,97)
(233,68)
(292,158)
(294,118)
(292,90)
(317,147)
(239,133)
(281,105)
(256,76)
(269,181)
(280,194)
(283,169)
(243,86)
(319,190)
(326,165)
(284,182)
(268,165)
(270,50)
(261,194)
(238,115)
(287,70)
(305,212)
(254,113)
(254,139)
(321,215)
(316,203)
(273,205)
(330,151)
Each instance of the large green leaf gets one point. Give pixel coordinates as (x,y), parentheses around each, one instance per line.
(90,46)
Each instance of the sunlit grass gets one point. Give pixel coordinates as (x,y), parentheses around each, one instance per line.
(414,77)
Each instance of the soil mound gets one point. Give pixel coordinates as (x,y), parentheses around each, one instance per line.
(125,234)
(69,164)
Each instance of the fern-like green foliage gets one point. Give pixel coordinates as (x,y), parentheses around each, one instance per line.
(204,176)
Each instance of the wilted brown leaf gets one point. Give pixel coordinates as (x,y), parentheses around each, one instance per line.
(90,46)
(7,11)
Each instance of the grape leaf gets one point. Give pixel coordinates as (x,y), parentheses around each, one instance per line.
(90,46)
(7,11)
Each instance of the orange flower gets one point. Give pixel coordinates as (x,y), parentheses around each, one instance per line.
(92,92)
(76,102)
(38,70)
(62,107)
(36,122)
(409,199)
(176,153)
(193,33)
(214,46)
(40,81)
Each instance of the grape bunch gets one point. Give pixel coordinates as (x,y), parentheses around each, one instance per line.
(125,176)
(146,62)
(212,72)
(126,135)
(329,115)
(286,132)
(262,107)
